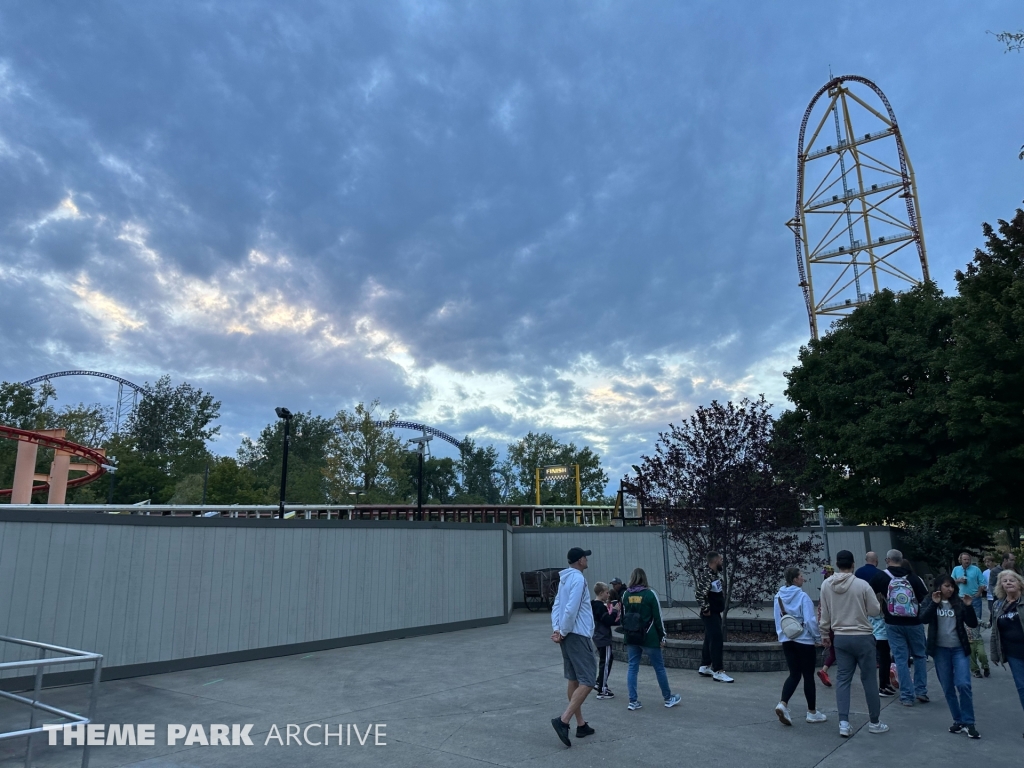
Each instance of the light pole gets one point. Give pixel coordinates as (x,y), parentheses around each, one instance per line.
(284,413)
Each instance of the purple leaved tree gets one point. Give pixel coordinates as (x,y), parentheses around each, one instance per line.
(713,480)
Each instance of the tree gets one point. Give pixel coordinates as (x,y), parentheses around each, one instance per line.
(985,407)
(870,401)
(234,483)
(367,458)
(173,425)
(307,459)
(440,481)
(542,449)
(479,476)
(713,481)
(23,408)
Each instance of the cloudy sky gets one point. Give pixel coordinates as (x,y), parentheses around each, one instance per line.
(493,216)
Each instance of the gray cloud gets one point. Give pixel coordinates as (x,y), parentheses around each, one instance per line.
(505,217)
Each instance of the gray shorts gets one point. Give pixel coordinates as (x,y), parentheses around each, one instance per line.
(580,659)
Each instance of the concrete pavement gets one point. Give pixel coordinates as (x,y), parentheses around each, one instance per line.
(485,697)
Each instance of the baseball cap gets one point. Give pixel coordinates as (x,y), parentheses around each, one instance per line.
(576,553)
(616,580)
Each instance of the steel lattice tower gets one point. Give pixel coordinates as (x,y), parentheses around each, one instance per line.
(858,221)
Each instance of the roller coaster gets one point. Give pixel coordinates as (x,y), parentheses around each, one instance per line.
(127,392)
(432,431)
(857,224)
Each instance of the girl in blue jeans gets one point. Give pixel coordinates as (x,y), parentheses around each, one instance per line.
(946,616)
(641,608)
(1008,627)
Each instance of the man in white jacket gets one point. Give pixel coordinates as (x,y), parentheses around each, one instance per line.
(572,624)
(847,605)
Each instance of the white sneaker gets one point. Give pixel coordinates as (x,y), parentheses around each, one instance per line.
(721,677)
(705,672)
(877,727)
(816,717)
(782,711)
(845,730)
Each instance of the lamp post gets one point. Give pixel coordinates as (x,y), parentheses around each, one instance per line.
(824,531)
(284,413)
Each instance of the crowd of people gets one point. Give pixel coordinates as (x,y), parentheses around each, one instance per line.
(882,622)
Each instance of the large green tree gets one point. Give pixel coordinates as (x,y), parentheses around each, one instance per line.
(539,449)
(172,425)
(870,403)
(367,459)
(986,389)
(307,459)
(480,479)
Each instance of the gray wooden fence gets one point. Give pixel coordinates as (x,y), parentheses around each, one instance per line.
(156,594)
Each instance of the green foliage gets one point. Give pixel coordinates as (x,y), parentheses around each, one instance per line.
(542,449)
(911,410)
(363,457)
(307,457)
(986,391)
(171,426)
(480,478)
(234,483)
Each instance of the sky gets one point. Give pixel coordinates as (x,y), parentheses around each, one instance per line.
(492,217)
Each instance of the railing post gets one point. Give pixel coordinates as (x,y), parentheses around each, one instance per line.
(92,706)
(35,700)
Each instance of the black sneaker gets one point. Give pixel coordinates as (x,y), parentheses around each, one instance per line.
(987,672)
(957,728)
(583,730)
(972,732)
(923,699)
(886,692)
(562,729)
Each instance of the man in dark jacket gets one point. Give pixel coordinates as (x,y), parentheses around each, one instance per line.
(902,594)
(869,570)
(710,596)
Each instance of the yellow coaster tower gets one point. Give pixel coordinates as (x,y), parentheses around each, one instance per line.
(858,220)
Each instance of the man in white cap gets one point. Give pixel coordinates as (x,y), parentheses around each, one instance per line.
(572,622)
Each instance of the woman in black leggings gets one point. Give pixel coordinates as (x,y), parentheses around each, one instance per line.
(800,654)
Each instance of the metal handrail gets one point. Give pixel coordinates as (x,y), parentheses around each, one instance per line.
(73,656)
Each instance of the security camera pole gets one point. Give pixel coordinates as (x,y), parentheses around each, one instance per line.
(421,448)
(284,413)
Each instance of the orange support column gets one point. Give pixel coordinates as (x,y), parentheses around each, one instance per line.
(24,472)
(59,477)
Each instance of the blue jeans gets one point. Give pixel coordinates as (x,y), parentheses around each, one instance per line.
(1017,669)
(657,661)
(953,668)
(904,642)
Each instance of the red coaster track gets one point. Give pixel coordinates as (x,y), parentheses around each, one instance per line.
(83,452)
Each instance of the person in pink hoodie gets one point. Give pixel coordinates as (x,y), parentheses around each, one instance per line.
(847,605)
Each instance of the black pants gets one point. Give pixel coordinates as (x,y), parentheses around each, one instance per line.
(711,653)
(604,667)
(884,658)
(801,660)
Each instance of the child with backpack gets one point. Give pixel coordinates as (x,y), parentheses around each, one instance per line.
(644,632)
